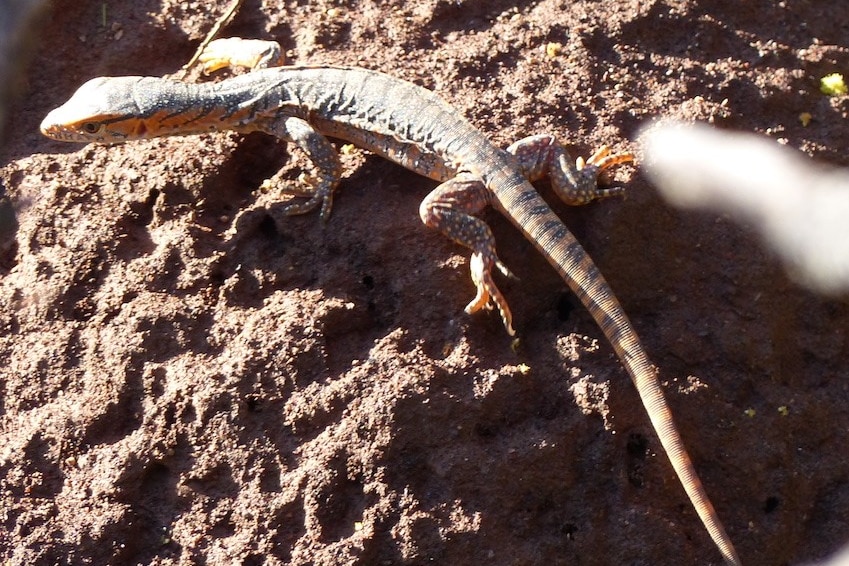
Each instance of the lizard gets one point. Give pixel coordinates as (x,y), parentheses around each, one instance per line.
(416,128)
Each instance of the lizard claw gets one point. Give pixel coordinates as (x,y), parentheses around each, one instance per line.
(488,295)
(602,159)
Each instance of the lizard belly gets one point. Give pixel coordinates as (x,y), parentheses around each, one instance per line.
(407,154)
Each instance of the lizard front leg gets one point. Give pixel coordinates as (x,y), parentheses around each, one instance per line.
(450,208)
(233,52)
(323,156)
(575,183)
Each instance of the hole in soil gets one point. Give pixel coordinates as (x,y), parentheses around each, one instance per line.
(771,504)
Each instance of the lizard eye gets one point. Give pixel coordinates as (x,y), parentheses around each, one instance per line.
(92,127)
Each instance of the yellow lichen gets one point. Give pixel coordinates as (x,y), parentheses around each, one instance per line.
(553,49)
(833,84)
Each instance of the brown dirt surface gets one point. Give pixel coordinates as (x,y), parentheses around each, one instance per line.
(191,378)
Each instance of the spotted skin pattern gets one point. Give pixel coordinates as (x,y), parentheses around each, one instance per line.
(307,104)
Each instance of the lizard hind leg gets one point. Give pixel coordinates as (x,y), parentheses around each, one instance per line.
(574,182)
(450,208)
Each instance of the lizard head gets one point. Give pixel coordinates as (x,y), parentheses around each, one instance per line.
(103,110)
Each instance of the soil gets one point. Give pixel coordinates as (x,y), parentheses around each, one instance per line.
(193,378)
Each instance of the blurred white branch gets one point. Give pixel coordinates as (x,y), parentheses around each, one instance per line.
(801,209)
(839,559)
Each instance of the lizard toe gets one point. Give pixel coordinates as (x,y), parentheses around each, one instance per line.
(488,295)
(317,193)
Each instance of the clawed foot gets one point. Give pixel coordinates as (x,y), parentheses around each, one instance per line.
(575,182)
(312,188)
(232,52)
(488,295)
(602,159)
(599,161)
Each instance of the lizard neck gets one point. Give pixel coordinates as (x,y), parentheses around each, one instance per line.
(165,107)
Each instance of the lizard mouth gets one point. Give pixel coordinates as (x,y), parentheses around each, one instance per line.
(56,130)
(83,133)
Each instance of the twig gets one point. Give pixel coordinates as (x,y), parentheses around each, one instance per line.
(220,23)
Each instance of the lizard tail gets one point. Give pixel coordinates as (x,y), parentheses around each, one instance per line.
(559,246)
(610,316)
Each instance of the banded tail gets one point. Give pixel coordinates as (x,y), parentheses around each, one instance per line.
(553,239)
